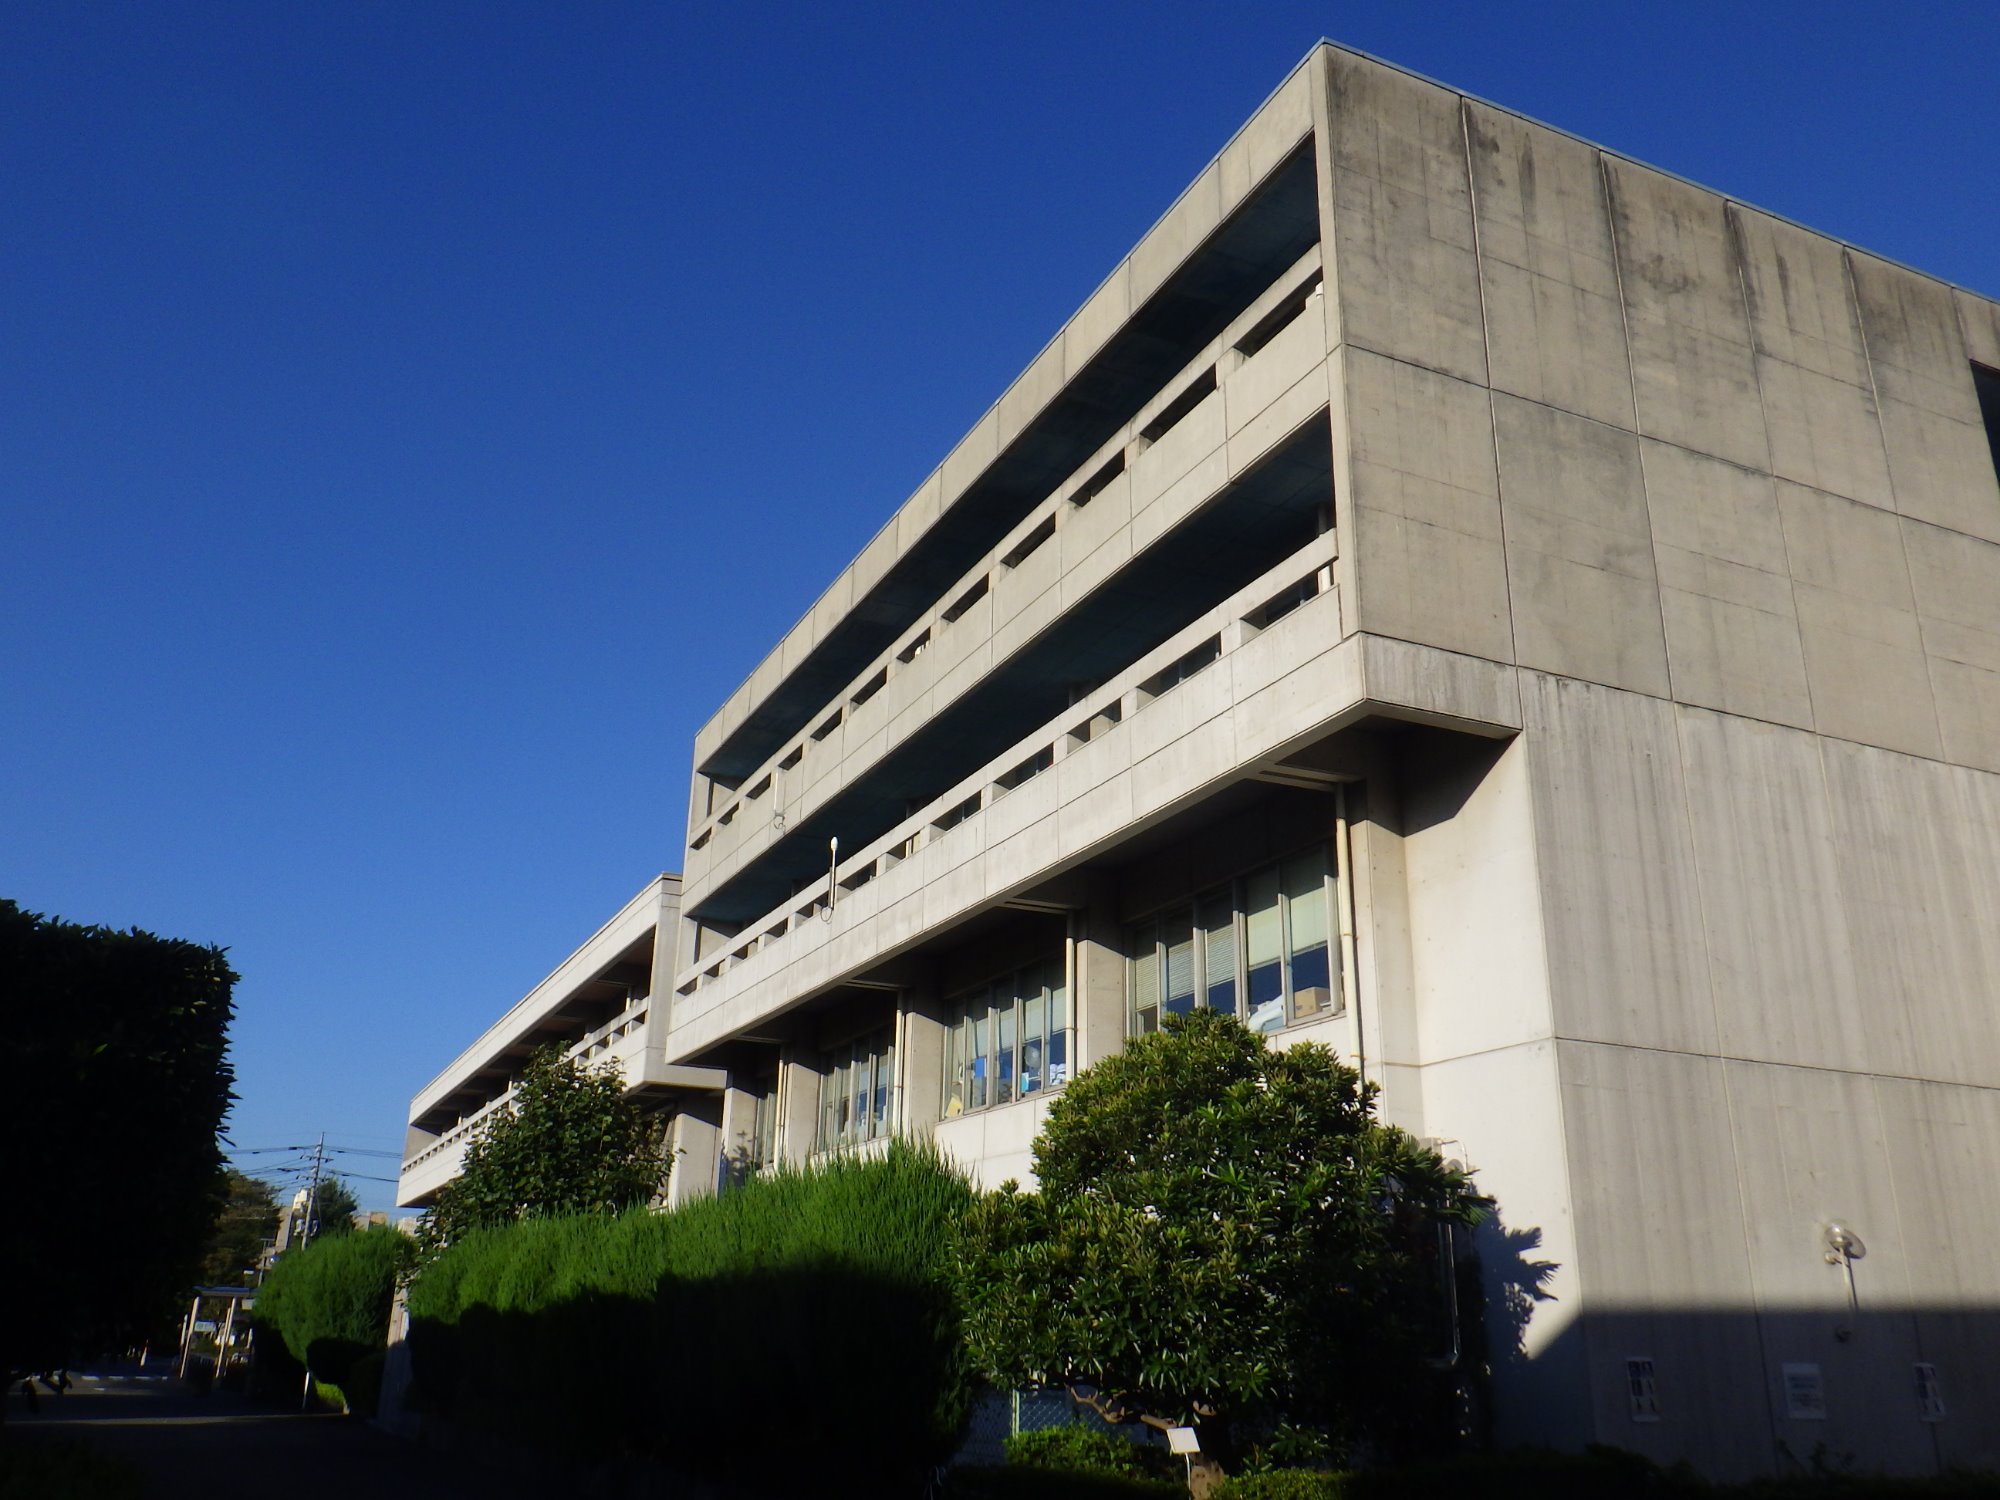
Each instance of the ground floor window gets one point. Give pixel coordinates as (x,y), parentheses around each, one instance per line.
(857,1091)
(1008,1040)
(1259,946)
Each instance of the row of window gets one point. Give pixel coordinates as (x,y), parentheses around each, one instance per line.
(1258,947)
(858,1091)
(1008,1040)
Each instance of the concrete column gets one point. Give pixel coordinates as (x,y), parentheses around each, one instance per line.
(739,1133)
(1098,985)
(695,1138)
(798,1104)
(921,1066)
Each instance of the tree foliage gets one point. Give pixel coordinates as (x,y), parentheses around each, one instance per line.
(568,1142)
(115,1070)
(334,1207)
(1224,1235)
(247,1218)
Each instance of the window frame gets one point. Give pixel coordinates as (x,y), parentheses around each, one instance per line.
(978,1012)
(1149,940)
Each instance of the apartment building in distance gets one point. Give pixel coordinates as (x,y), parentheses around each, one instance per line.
(1528,622)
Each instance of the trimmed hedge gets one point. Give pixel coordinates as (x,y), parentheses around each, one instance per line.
(1078,1449)
(794,1328)
(330,1304)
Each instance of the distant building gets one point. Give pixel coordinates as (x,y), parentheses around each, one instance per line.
(1459,595)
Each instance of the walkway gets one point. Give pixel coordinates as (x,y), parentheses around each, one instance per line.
(220,1447)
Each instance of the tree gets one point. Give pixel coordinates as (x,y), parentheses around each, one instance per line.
(114,1068)
(1225,1237)
(335,1207)
(247,1218)
(568,1142)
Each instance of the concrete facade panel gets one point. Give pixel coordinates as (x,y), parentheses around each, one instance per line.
(1424,502)
(1732,624)
(1555,329)
(1939,458)
(1620,895)
(1812,364)
(1408,277)
(1586,600)
(1661,1238)
(1694,377)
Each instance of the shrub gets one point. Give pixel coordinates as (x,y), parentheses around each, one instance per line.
(1286,1484)
(1077,1449)
(330,1302)
(813,1303)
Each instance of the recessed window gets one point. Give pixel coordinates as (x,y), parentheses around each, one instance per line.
(1179,671)
(1987,383)
(954,816)
(871,687)
(1278,319)
(915,649)
(1284,602)
(758,789)
(832,723)
(1028,769)
(798,753)
(1099,482)
(1008,1040)
(1260,948)
(1172,414)
(1030,544)
(857,1089)
(965,601)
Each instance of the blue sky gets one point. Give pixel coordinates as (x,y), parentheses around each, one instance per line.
(414,419)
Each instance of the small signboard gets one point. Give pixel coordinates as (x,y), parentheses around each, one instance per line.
(1641,1391)
(1930,1395)
(1182,1440)
(1805,1393)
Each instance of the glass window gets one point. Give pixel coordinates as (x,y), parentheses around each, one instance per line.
(1309,972)
(1003,1048)
(1017,1040)
(982,1032)
(858,1091)
(1034,1034)
(885,1090)
(1218,958)
(1058,1044)
(1178,936)
(1261,948)
(1263,942)
(1145,979)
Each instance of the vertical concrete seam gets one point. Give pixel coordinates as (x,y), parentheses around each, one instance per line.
(1632,387)
(1486,351)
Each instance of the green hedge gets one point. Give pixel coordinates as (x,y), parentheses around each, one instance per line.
(798,1327)
(1078,1449)
(330,1303)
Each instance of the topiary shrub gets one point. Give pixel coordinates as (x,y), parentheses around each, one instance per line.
(330,1301)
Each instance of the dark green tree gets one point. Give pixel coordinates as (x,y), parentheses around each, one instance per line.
(570,1141)
(336,1207)
(248,1217)
(115,1074)
(1224,1236)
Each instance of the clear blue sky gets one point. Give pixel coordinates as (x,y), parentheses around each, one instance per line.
(414,419)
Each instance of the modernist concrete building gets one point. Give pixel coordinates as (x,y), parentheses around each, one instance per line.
(598,1005)
(1531,623)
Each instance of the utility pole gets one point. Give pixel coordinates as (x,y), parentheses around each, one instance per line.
(312,1192)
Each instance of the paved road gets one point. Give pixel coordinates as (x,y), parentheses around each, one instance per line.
(220,1447)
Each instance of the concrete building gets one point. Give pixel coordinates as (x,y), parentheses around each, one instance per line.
(1526,621)
(597,1005)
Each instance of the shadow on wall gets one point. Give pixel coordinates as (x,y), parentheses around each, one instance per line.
(765,1383)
